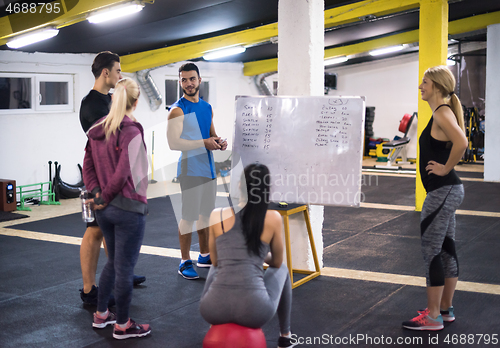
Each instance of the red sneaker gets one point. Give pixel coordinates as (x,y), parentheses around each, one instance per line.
(422,311)
(424,322)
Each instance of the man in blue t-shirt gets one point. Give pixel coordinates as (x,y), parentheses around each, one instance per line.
(191,130)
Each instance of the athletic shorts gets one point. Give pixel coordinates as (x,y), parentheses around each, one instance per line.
(198,196)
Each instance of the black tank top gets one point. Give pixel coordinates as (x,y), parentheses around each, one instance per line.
(435,150)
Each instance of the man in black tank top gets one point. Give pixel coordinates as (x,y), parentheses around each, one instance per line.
(95,105)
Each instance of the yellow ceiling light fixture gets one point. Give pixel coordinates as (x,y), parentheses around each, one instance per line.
(32,37)
(115,12)
(224,52)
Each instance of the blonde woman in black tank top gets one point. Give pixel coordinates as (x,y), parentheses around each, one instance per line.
(442,145)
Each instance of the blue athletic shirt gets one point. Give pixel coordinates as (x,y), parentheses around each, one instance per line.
(196,126)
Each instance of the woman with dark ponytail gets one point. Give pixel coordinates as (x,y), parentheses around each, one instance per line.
(442,145)
(115,170)
(237,289)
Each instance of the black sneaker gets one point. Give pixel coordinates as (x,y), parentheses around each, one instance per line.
(286,342)
(90,298)
(132,330)
(139,279)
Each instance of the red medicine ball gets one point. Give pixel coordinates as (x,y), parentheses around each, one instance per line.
(234,336)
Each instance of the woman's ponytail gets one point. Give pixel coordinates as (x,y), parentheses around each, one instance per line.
(256,182)
(456,107)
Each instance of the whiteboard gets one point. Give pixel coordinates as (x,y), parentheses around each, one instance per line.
(313,147)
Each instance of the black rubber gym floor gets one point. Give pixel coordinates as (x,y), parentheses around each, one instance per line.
(40,304)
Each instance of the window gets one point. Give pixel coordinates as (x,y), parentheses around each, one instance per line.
(24,93)
(15,93)
(205,91)
(54,92)
(173,91)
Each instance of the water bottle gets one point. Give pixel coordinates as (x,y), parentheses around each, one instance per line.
(87,211)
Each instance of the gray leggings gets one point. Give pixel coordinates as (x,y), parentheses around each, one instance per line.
(437,227)
(246,306)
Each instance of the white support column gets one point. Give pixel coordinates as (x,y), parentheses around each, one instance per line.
(301,48)
(492,111)
(301,73)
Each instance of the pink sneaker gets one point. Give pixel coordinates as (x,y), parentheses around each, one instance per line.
(424,322)
(448,315)
(424,311)
(132,330)
(101,323)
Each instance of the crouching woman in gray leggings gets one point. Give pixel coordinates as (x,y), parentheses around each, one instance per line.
(238,290)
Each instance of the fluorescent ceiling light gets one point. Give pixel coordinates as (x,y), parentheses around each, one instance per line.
(336,60)
(450,62)
(386,50)
(224,52)
(114,13)
(35,36)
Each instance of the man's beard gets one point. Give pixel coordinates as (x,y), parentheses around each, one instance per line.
(192,94)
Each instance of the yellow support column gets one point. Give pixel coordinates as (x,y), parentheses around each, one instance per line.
(433,50)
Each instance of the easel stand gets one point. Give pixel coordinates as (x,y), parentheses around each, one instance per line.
(285,212)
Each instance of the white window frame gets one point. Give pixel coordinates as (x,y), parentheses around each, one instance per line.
(54,78)
(35,93)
